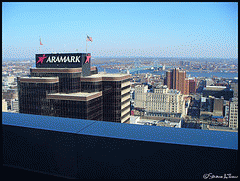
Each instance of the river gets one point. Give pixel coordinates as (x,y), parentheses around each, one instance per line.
(228,75)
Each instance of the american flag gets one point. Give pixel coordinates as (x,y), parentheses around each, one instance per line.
(40,42)
(89,38)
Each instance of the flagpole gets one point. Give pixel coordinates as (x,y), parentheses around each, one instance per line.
(40,45)
(86,45)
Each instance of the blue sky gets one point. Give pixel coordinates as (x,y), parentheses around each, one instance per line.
(206,29)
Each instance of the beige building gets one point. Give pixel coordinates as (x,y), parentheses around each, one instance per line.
(4,106)
(140,96)
(164,100)
(233,113)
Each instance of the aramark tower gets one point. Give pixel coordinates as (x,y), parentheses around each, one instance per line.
(65,85)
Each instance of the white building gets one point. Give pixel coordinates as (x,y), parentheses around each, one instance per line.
(4,105)
(233,113)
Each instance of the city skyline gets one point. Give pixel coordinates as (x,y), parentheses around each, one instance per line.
(196,30)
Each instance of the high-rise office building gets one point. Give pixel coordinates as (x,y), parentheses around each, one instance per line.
(186,87)
(181,82)
(65,85)
(192,85)
(169,79)
(176,79)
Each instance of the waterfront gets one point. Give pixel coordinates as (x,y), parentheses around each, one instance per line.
(191,74)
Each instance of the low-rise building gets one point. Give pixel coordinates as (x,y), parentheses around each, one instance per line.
(176,123)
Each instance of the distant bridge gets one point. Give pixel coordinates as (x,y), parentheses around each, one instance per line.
(145,67)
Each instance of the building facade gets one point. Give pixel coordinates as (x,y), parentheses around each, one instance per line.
(233,113)
(4,105)
(192,85)
(176,79)
(234,87)
(218,92)
(140,96)
(165,102)
(161,101)
(32,93)
(14,105)
(74,91)
(218,106)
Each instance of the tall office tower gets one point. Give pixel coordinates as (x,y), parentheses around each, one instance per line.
(169,79)
(175,79)
(66,85)
(192,85)
(140,96)
(233,113)
(186,87)
(182,82)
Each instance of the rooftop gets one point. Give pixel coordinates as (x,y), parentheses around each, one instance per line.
(38,78)
(78,96)
(215,87)
(183,136)
(107,76)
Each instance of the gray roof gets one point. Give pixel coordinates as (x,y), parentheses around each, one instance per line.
(182,136)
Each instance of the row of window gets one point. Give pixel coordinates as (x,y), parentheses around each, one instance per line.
(178,115)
